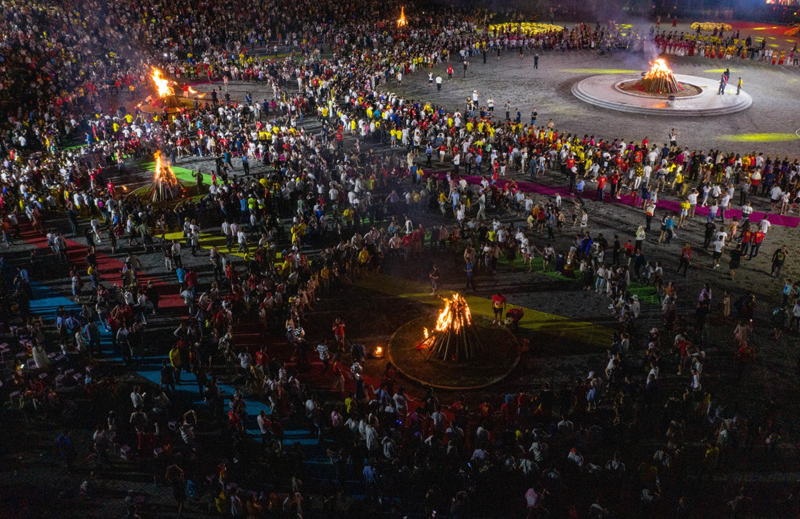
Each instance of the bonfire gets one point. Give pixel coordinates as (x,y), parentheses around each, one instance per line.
(402,22)
(454,338)
(165,184)
(659,79)
(164,89)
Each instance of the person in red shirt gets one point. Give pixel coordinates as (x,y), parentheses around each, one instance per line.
(262,358)
(758,237)
(686,256)
(191,281)
(601,185)
(338,331)
(499,307)
(615,183)
(747,238)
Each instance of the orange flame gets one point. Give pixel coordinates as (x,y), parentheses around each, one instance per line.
(402,22)
(659,70)
(164,172)
(162,84)
(456,314)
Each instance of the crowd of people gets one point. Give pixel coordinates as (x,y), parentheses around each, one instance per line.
(384,180)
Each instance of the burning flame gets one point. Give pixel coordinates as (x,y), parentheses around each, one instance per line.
(163,172)
(659,70)
(402,22)
(454,337)
(162,84)
(456,314)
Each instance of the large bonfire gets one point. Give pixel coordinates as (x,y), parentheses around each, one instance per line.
(659,79)
(164,89)
(165,184)
(402,22)
(454,339)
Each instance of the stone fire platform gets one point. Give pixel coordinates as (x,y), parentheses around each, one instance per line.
(603,91)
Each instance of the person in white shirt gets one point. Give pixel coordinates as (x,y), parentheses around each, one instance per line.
(764,225)
(137,397)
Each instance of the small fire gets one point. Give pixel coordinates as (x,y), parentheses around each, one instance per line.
(379,351)
(425,331)
(164,172)
(162,84)
(402,22)
(659,70)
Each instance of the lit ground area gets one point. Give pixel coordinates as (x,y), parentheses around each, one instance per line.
(769,125)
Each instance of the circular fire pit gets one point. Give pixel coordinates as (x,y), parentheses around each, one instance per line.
(661,92)
(458,352)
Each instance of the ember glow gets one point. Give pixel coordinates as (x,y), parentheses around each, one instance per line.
(402,22)
(453,338)
(162,83)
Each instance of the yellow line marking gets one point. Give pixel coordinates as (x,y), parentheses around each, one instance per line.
(554,327)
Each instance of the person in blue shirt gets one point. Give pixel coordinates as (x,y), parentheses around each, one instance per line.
(670,225)
(243,210)
(579,189)
(470,276)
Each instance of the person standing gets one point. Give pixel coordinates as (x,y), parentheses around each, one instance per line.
(735,261)
(739,87)
(686,256)
(650,210)
(498,307)
(438,83)
(435,276)
(536,61)
(466,65)
(778,259)
(601,185)
(470,271)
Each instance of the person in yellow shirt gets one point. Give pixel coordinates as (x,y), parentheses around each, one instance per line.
(678,184)
(684,211)
(176,362)
(363,261)
(325,279)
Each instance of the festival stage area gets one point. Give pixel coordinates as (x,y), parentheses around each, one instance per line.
(767,125)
